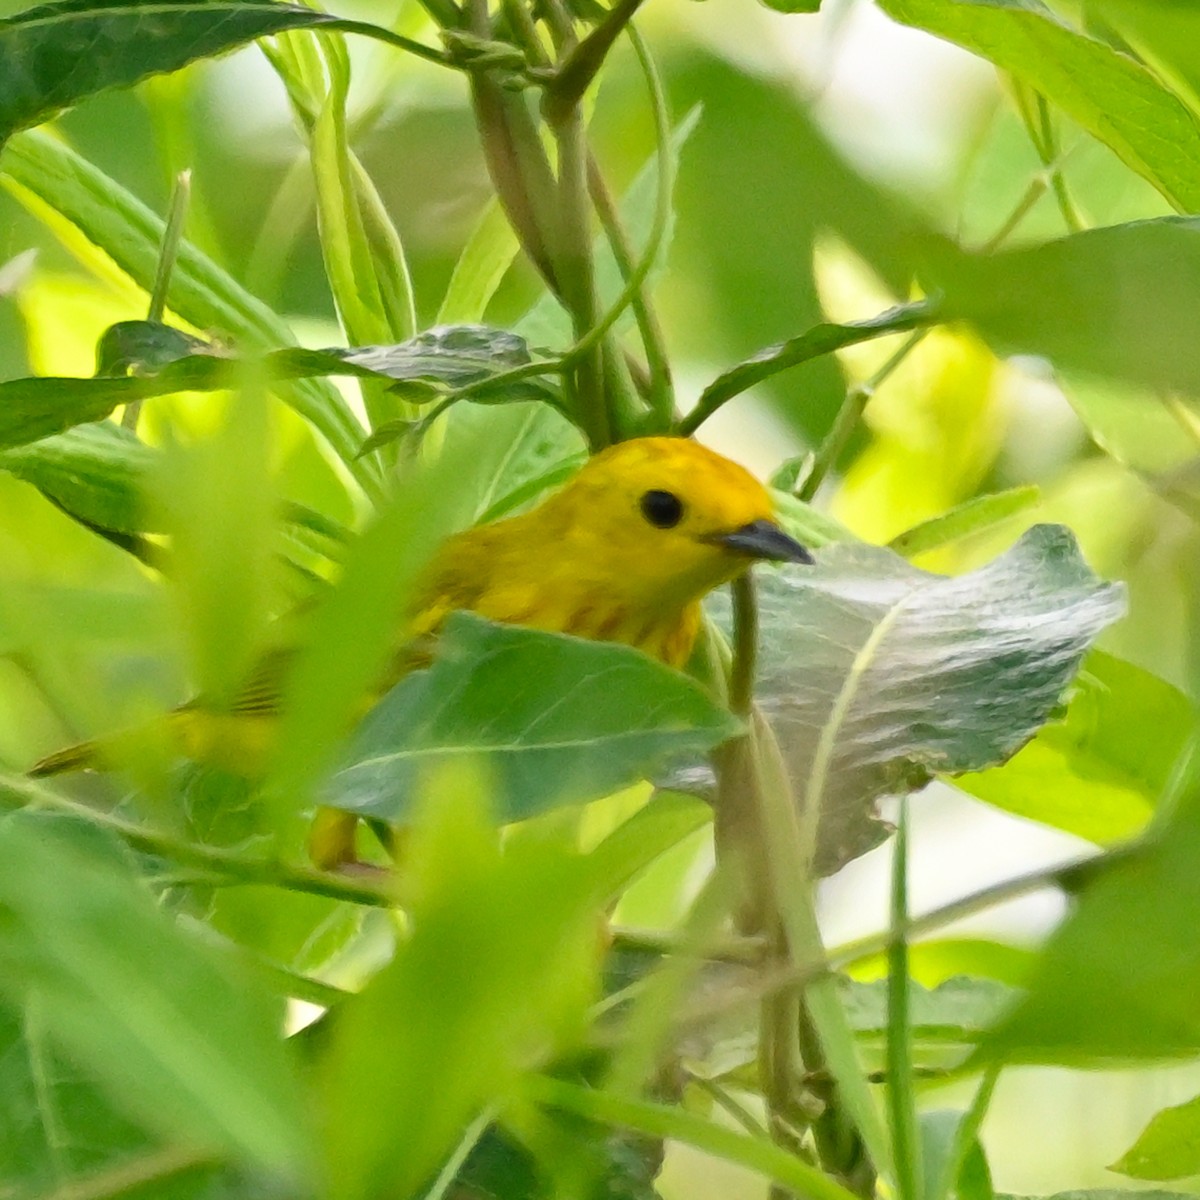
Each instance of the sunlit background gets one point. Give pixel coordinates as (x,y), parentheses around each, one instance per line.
(753,260)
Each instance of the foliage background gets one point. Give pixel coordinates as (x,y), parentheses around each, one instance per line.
(760,252)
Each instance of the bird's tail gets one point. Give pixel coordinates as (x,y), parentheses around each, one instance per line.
(80,757)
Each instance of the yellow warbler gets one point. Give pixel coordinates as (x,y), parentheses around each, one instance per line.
(624,552)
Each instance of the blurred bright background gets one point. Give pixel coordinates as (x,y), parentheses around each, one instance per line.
(751,262)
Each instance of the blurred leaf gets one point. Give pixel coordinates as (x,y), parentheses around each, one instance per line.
(77,200)
(54,1123)
(937,429)
(1164,33)
(613,1165)
(1117,981)
(1103,1194)
(1140,430)
(972,516)
(60,1133)
(876,674)
(173,1033)
(57,54)
(94,471)
(1169,1146)
(1137,283)
(665,820)
(219,507)
(807,524)
(510,940)
(959,1010)
(939,1133)
(359,624)
(1100,772)
(602,717)
(934,962)
(518,449)
(1109,94)
(481,266)
(794,6)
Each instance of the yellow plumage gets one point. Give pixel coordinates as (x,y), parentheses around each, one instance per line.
(624,552)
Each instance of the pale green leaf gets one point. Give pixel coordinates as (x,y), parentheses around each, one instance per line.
(877,675)
(171,1030)
(1169,1146)
(1100,771)
(1109,94)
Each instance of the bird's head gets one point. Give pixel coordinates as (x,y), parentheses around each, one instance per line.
(670,519)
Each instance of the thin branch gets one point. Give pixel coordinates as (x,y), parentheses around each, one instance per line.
(24,793)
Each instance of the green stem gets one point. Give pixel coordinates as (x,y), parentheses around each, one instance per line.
(23,793)
(516,161)
(576,269)
(849,415)
(739,1112)
(582,64)
(662,1121)
(1032,194)
(901,1096)
(168,253)
(172,237)
(1053,164)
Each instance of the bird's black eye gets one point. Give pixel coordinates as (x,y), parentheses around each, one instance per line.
(664,510)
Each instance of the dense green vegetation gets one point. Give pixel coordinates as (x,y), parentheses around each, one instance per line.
(280,335)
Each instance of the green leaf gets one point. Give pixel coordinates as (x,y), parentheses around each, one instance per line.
(794,6)
(939,1134)
(53,1122)
(494,978)
(972,516)
(960,1010)
(94,471)
(55,55)
(357,627)
(812,343)
(451,357)
(1100,772)
(667,818)
(602,717)
(877,675)
(1117,981)
(59,1132)
(172,1032)
(1138,429)
(1109,94)
(481,266)
(1169,1146)
(1103,1194)
(615,1166)
(1137,283)
(1164,34)
(520,450)
(807,524)
(75,198)
(218,504)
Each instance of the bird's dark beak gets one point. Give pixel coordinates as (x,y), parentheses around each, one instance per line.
(763,539)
